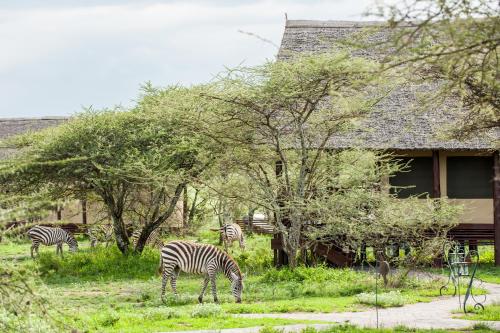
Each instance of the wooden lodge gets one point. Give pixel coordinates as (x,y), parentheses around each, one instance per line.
(466,171)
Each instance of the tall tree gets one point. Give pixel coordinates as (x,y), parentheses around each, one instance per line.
(120,155)
(286,113)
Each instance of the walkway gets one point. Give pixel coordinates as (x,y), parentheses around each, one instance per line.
(435,314)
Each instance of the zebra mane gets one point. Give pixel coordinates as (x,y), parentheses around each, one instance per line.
(236,268)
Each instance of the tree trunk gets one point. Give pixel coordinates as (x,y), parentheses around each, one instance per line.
(121,236)
(150,226)
(192,211)
(185,207)
(251,212)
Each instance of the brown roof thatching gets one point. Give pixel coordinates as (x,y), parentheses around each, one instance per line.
(14,126)
(396,123)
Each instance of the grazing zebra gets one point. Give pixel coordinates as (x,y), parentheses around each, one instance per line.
(202,259)
(100,233)
(154,239)
(50,236)
(230,233)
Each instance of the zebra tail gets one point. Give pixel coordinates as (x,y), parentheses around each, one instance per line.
(215,229)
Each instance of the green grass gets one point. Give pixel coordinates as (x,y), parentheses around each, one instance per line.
(491,312)
(116,293)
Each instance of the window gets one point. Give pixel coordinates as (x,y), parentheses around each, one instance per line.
(470,177)
(418,175)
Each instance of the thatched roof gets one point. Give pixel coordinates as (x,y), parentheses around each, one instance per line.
(14,126)
(396,123)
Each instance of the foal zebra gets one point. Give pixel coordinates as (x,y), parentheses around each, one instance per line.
(154,239)
(50,236)
(230,233)
(100,233)
(202,259)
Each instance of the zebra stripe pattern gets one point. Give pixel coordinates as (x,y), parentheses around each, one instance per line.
(51,236)
(102,233)
(231,233)
(203,259)
(154,239)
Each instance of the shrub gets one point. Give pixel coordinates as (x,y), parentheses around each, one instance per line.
(392,298)
(98,264)
(207,310)
(160,314)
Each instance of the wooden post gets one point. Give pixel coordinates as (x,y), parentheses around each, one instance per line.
(59,213)
(436,181)
(84,211)
(496,205)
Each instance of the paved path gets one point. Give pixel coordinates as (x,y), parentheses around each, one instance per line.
(435,314)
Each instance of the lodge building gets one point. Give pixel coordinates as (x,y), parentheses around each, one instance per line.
(468,172)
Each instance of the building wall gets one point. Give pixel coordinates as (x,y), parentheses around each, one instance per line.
(477,211)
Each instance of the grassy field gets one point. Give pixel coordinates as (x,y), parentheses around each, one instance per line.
(116,293)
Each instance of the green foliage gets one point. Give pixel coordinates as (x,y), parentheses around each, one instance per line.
(21,309)
(389,299)
(98,264)
(256,258)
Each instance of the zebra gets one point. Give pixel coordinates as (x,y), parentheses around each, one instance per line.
(154,239)
(50,236)
(100,233)
(204,259)
(230,233)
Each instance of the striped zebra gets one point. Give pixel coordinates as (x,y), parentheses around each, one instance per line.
(101,233)
(50,236)
(154,239)
(230,233)
(204,259)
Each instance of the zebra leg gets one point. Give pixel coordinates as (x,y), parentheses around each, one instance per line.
(204,287)
(173,280)
(167,273)
(213,277)
(242,243)
(34,246)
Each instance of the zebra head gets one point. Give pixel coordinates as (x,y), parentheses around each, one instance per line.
(72,243)
(236,286)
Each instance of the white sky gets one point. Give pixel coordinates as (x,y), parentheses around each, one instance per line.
(58,55)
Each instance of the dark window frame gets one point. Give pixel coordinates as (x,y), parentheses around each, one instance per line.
(469,177)
(418,175)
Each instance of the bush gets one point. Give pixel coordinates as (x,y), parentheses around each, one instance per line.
(99,264)
(160,314)
(392,298)
(312,274)
(207,310)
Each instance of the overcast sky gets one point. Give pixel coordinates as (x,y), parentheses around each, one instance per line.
(57,56)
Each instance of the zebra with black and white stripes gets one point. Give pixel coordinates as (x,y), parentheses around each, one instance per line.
(230,233)
(204,259)
(154,239)
(100,233)
(51,236)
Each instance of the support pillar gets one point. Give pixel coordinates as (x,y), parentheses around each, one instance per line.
(436,180)
(84,211)
(496,206)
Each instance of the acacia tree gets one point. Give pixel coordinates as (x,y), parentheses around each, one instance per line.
(279,120)
(457,43)
(117,155)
